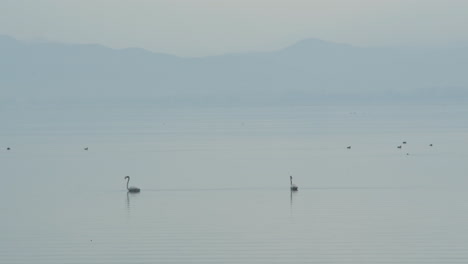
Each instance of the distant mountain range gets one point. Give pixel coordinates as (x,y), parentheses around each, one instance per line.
(309,71)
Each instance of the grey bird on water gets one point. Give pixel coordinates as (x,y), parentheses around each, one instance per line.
(293,186)
(131,188)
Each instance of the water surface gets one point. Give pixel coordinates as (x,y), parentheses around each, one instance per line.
(215,184)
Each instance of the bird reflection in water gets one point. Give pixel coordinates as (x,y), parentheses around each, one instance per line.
(292,193)
(128,201)
(130,195)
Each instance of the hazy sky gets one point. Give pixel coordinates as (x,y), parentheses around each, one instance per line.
(209,27)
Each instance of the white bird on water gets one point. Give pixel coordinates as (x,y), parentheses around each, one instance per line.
(293,186)
(131,188)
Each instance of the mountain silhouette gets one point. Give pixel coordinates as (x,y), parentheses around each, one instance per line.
(310,70)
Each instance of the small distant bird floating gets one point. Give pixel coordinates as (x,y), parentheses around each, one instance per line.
(399,147)
(430,145)
(404,142)
(8,148)
(131,188)
(348,147)
(293,186)
(86,148)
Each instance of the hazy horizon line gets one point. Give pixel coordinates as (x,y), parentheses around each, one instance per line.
(284,47)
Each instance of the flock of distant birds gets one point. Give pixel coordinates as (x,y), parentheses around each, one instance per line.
(399,146)
(293,187)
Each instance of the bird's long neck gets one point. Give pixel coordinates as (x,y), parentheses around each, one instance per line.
(291,180)
(128,179)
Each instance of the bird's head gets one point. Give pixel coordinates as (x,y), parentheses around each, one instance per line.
(127,177)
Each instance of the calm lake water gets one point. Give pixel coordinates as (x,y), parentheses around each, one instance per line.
(215,184)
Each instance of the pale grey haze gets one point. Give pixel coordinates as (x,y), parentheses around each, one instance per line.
(210,107)
(208,27)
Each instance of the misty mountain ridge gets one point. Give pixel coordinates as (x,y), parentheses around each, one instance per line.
(308,71)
